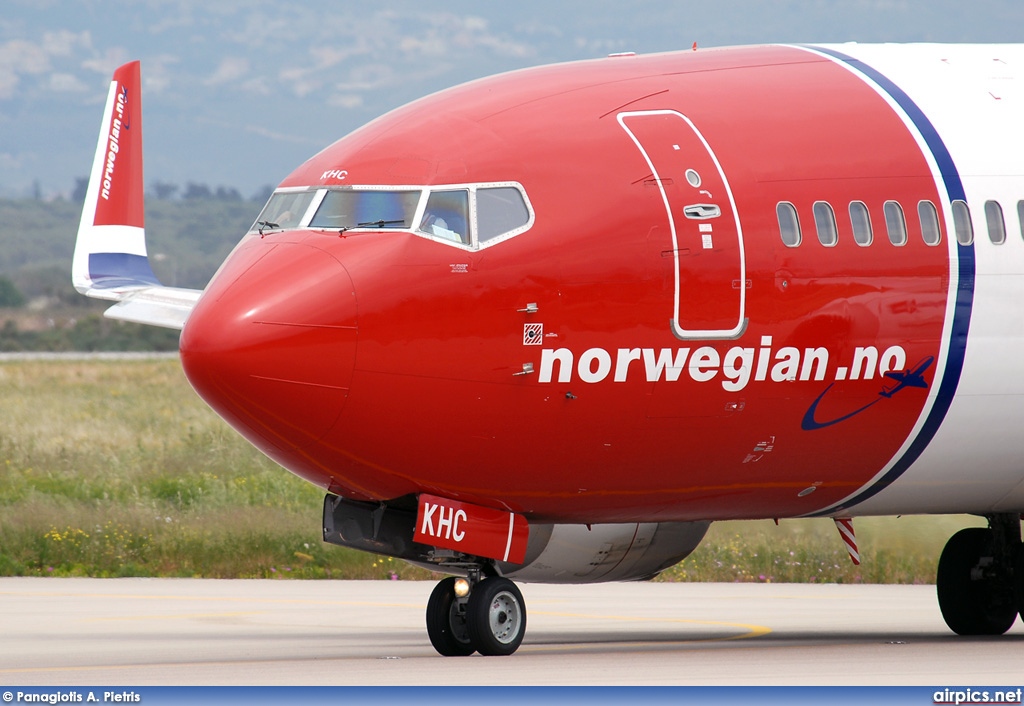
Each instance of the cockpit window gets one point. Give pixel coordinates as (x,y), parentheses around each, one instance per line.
(499,210)
(346,209)
(284,210)
(468,216)
(447,215)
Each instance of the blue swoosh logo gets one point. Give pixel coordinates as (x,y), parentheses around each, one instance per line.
(905,379)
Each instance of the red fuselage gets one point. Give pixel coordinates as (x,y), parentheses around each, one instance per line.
(674,367)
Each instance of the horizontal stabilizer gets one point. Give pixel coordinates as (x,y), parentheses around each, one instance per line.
(157,306)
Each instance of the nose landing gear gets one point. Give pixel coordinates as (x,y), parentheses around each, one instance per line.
(473,615)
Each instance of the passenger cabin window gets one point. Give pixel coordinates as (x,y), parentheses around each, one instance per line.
(345,209)
(825,223)
(860,220)
(447,216)
(994,221)
(284,210)
(499,210)
(1020,217)
(789,224)
(962,223)
(895,223)
(929,222)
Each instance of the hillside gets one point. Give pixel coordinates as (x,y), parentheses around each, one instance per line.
(187,240)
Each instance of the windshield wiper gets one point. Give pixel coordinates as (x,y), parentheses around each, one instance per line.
(267,224)
(381,223)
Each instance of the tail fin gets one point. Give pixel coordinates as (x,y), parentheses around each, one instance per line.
(110,259)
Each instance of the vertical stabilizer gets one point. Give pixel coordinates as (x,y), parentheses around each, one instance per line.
(110,254)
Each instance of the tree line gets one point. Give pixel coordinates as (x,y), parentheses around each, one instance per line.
(191,191)
(40,310)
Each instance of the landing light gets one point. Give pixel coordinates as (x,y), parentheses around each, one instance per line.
(461,588)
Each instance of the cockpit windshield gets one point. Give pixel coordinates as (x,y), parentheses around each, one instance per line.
(447,215)
(468,216)
(284,210)
(346,209)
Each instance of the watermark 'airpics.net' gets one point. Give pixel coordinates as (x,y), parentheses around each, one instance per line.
(960,697)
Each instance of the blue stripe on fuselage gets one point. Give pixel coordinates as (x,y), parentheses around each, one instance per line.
(964,283)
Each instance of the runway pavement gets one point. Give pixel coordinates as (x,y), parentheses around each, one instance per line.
(202,632)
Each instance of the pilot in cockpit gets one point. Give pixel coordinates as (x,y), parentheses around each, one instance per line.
(437,224)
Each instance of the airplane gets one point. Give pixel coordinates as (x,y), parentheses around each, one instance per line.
(547,326)
(911,378)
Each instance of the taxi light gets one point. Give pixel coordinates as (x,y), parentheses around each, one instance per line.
(461,588)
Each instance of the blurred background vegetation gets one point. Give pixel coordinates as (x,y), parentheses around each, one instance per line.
(116,468)
(189,232)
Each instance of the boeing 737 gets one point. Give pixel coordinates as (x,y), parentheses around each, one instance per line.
(549,325)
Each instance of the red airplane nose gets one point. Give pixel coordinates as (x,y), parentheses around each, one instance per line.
(271,343)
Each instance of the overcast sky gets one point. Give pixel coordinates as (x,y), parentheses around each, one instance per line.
(237,93)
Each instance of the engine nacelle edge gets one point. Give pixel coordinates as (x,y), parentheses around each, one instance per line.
(554,554)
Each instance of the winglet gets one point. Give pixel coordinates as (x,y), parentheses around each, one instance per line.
(110,259)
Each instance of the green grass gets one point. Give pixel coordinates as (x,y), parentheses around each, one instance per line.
(892,550)
(118,469)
